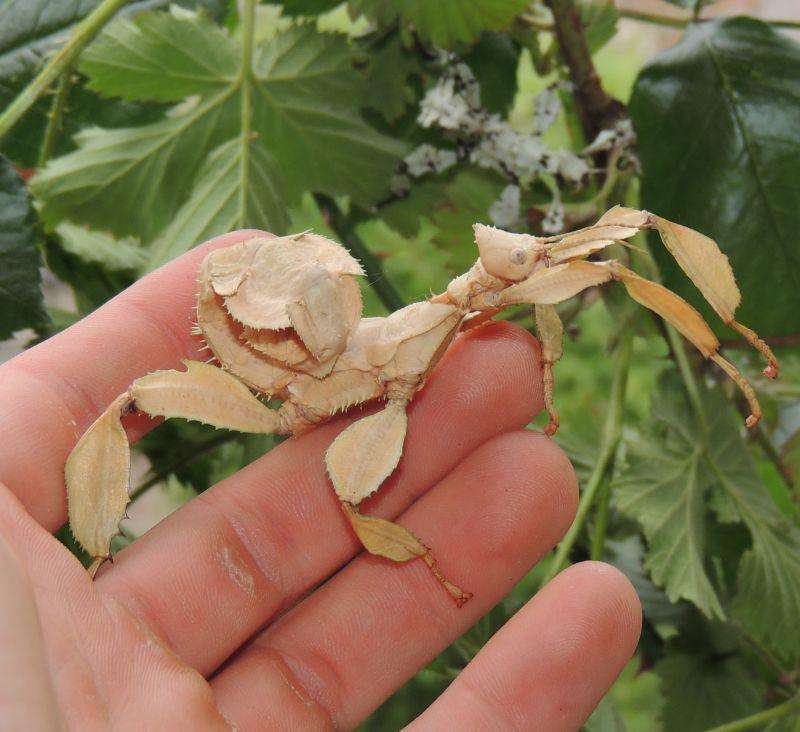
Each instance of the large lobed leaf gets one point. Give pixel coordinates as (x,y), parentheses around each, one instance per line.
(665,486)
(20,291)
(195,173)
(718,118)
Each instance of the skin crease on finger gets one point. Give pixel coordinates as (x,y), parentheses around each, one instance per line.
(262,538)
(552,662)
(50,393)
(373,625)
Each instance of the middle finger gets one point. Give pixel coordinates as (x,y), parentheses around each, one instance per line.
(213,573)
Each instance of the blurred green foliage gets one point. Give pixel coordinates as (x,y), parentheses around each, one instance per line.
(167,133)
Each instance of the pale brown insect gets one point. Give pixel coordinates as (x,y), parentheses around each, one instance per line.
(282,316)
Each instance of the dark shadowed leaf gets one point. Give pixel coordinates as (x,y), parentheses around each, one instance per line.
(718,119)
(705,690)
(494,60)
(20,284)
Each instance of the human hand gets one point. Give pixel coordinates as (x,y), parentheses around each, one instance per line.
(229,612)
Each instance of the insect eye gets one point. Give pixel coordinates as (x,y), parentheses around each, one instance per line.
(518,256)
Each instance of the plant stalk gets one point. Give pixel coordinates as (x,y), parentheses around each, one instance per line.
(81,36)
(759,719)
(609,441)
(246,84)
(55,117)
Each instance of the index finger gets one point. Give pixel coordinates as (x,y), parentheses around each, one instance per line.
(51,393)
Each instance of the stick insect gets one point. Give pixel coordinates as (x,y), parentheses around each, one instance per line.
(282,317)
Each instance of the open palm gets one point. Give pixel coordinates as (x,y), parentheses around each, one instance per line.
(251,606)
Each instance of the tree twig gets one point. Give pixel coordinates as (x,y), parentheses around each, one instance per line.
(83,33)
(596,108)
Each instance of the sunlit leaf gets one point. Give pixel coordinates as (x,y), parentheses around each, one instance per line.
(99,247)
(305,123)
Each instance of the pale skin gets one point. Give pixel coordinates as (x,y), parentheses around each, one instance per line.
(182,631)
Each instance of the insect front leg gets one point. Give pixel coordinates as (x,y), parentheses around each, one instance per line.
(97,471)
(551,336)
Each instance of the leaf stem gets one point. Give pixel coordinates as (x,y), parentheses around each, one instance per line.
(83,33)
(246,84)
(760,718)
(55,117)
(609,441)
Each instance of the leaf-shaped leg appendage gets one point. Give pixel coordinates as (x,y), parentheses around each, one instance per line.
(676,311)
(358,461)
(551,337)
(392,541)
(705,265)
(367,452)
(98,469)
(206,394)
(97,475)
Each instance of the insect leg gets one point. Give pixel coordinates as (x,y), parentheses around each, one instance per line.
(551,336)
(98,469)
(392,541)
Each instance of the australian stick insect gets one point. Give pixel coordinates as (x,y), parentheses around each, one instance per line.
(282,317)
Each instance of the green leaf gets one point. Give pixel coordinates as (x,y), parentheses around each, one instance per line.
(445,22)
(663,486)
(627,555)
(132,180)
(493,60)
(705,691)
(221,200)
(101,248)
(20,284)
(717,118)
(600,23)
(161,57)
(304,95)
(415,266)
(30,31)
(387,89)
(452,204)
(605,718)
